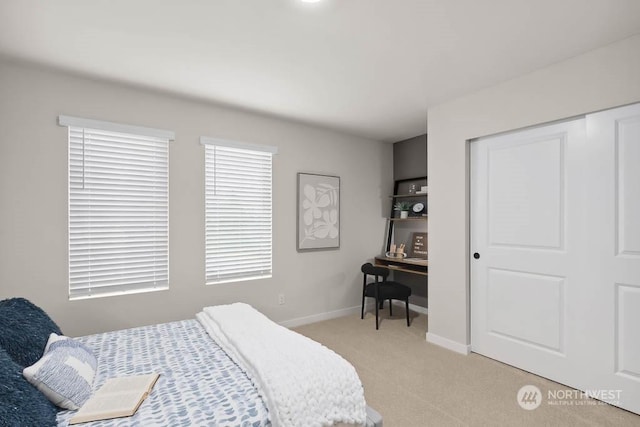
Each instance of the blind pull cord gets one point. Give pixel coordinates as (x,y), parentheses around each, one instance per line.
(83,161)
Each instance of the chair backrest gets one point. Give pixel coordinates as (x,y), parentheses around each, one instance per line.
(369,269)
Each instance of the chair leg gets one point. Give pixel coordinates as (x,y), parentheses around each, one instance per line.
(362,309)
(376,315)
(390,311)
(406,305)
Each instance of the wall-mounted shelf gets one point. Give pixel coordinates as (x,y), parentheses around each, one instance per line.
(404,230)
(408,195)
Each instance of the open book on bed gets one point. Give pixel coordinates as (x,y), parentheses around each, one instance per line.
(118,397)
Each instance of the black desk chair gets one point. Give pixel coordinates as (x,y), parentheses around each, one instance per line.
(383,290)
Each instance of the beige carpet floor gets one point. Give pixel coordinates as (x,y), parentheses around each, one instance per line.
(413,383)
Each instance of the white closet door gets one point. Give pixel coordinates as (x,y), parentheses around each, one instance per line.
(523,194)
(614,166)
(556,224)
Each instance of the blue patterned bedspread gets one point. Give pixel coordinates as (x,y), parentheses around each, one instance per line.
(199,384)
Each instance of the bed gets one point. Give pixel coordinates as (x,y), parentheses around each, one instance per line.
(206,380)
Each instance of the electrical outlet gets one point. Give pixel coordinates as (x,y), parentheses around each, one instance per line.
(281,299)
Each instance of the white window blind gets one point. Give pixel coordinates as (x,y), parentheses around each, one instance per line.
(238,211)
(118,208)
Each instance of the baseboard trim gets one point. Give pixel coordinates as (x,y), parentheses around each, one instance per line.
(448,344)
(300,321)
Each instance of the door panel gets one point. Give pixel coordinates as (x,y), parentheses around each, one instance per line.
(535,300)
(628,343)
(525,210)
(628,178)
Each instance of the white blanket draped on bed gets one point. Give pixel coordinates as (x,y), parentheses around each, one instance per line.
(302,382)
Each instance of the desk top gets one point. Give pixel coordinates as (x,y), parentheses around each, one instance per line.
(414,261)
(408,265)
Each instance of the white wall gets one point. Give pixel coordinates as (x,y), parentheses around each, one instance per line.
(33,202)
(597,80)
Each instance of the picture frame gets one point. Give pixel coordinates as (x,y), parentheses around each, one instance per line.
(419,248)
(318,212)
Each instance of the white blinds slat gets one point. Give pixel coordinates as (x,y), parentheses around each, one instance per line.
(238,212)
(118,209)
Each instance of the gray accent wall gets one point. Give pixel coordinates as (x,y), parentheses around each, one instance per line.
(410,158)
(410,161)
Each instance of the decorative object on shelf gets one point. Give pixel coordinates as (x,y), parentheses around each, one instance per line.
(396,255)
(412,189)
(396,252)
(418,208)
(403,207)
(419,245)
(318,215)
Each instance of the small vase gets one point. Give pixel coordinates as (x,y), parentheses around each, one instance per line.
(404,214)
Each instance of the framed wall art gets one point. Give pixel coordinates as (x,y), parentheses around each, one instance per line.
(318,216)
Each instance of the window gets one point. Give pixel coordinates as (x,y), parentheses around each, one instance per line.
(238,210)
(118,208)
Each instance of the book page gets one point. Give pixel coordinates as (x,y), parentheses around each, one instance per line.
(125,384)
(118,397)
(113,403)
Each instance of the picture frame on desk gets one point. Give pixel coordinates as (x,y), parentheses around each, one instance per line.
(419,246)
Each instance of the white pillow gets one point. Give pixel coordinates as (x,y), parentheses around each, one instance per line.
(64,373)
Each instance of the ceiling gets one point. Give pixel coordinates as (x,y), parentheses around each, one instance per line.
(367,67)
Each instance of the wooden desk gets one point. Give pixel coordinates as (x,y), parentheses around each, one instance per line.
(411,265)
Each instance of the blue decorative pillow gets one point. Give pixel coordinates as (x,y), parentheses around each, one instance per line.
(20,403)
(24,330)
(65,372)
